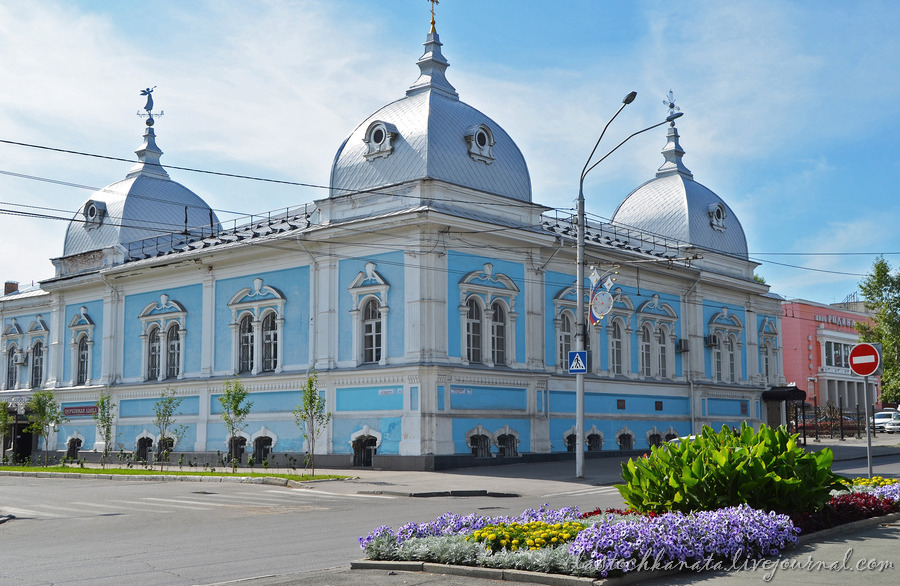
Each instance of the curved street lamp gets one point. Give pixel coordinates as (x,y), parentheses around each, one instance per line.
(579,276)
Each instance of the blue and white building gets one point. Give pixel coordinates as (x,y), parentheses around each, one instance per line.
(432,296)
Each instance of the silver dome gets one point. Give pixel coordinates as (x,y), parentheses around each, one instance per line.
(675,206)
(431,134)
(146,204)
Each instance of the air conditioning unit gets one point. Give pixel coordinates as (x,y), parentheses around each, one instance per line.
(711,341)
(19,358)
(681,345)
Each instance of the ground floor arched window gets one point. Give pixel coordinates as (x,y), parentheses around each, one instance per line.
(262,448)
(144,449)
(481,446)
(364,450)
(236,447)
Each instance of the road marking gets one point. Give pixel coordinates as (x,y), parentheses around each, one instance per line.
(322,493)
(26,513)
(187,502)
(583,491)
(139,503)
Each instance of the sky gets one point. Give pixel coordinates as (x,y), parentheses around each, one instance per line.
(789,108)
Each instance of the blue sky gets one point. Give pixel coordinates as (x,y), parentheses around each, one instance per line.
(789,107)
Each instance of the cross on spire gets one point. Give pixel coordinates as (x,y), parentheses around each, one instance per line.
(433,2)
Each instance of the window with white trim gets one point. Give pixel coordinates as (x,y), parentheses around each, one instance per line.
(372,339)
(257,328)
(269,342)
(163,336)
(369,312)
(37,364)
(662,352)
(565,329)
(725,332)
(12,369)
(84,360)
(645,351)
(473,330)
(488,318)
(81,327)
(615,347)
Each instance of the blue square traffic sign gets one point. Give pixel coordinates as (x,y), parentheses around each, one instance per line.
(578,362)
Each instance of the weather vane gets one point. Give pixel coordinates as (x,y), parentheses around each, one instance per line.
(669,102)
(149,105)
(433,2)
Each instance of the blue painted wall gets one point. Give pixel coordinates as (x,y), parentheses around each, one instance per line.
(487,398)
(460,426)
(385,398)
(190,405)
(389,428)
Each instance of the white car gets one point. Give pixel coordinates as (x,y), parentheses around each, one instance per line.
(892,426)
(882,418)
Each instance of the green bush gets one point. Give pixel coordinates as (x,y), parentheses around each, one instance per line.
(765,469)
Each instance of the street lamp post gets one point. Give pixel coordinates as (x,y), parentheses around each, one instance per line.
(579,276)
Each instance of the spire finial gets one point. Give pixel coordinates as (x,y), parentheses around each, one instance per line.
(669,102)
(149,105)
(433,2)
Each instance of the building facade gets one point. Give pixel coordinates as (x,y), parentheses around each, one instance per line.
(432,297)
(817,343)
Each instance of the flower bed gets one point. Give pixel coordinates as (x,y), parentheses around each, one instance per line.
(612,542)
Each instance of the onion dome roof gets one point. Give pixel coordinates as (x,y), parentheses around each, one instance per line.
(431,134)
(675,206)
(146,204)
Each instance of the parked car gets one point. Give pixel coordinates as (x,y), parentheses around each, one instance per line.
(892,426)
(882,418)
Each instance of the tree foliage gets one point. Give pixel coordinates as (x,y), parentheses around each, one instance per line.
(164,411)
(106,414)
(4,425)
(45,417)
(881,290)
(235,409)
(311,416)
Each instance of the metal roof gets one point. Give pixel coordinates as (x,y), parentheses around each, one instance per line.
(431,126)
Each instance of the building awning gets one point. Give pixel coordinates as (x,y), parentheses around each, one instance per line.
(784,394)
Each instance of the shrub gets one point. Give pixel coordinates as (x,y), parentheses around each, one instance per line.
(767,470)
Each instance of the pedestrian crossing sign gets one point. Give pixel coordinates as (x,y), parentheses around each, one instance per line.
(578,362)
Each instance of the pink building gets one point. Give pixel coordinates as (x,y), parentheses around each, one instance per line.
(817,339)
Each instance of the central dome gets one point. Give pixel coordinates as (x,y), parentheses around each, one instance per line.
(430,134)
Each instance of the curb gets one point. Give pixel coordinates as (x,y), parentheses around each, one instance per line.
(444,493)
(564,580)
(267,480)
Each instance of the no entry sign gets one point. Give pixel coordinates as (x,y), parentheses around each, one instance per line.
(865,359)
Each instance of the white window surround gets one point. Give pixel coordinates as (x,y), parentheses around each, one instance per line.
(768,348)
(625,431)
(12,355)
(488,289)
(81,326)
(264,432)
(256,301)
(660,318)
(564,302)
(727,327)
(163,315)
(38,332)
(481,143)
(621,313)
(379,140)
(587,433)
(364,431)
(368,285)
(155,437)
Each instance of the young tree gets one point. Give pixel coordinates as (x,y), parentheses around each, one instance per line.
(106,414)
(46,416)
(881,290)
(169,433)
(311,416)
(4,427)
(235,409)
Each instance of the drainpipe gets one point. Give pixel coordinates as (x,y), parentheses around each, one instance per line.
(688,371)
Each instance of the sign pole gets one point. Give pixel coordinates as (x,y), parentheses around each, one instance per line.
(868,423)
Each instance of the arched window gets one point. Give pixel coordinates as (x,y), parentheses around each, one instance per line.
(663,354)
(173,352)
(372,341)
(473,330)
(269,342)
(83,360)
(153,354)
(595,442)
(498,333)
(262,448)
(644,341)
(37,364)
(481,446)
(565,339)
(626,441)
(615,347)
(654,439)
(12,369)
(507,444)
(717,361)
(245,335)
(732,364)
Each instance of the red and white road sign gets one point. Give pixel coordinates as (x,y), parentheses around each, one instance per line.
(864,359)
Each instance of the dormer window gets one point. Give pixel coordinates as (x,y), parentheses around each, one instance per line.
(93,213)
(717,216)
(379,139)
(481,143)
